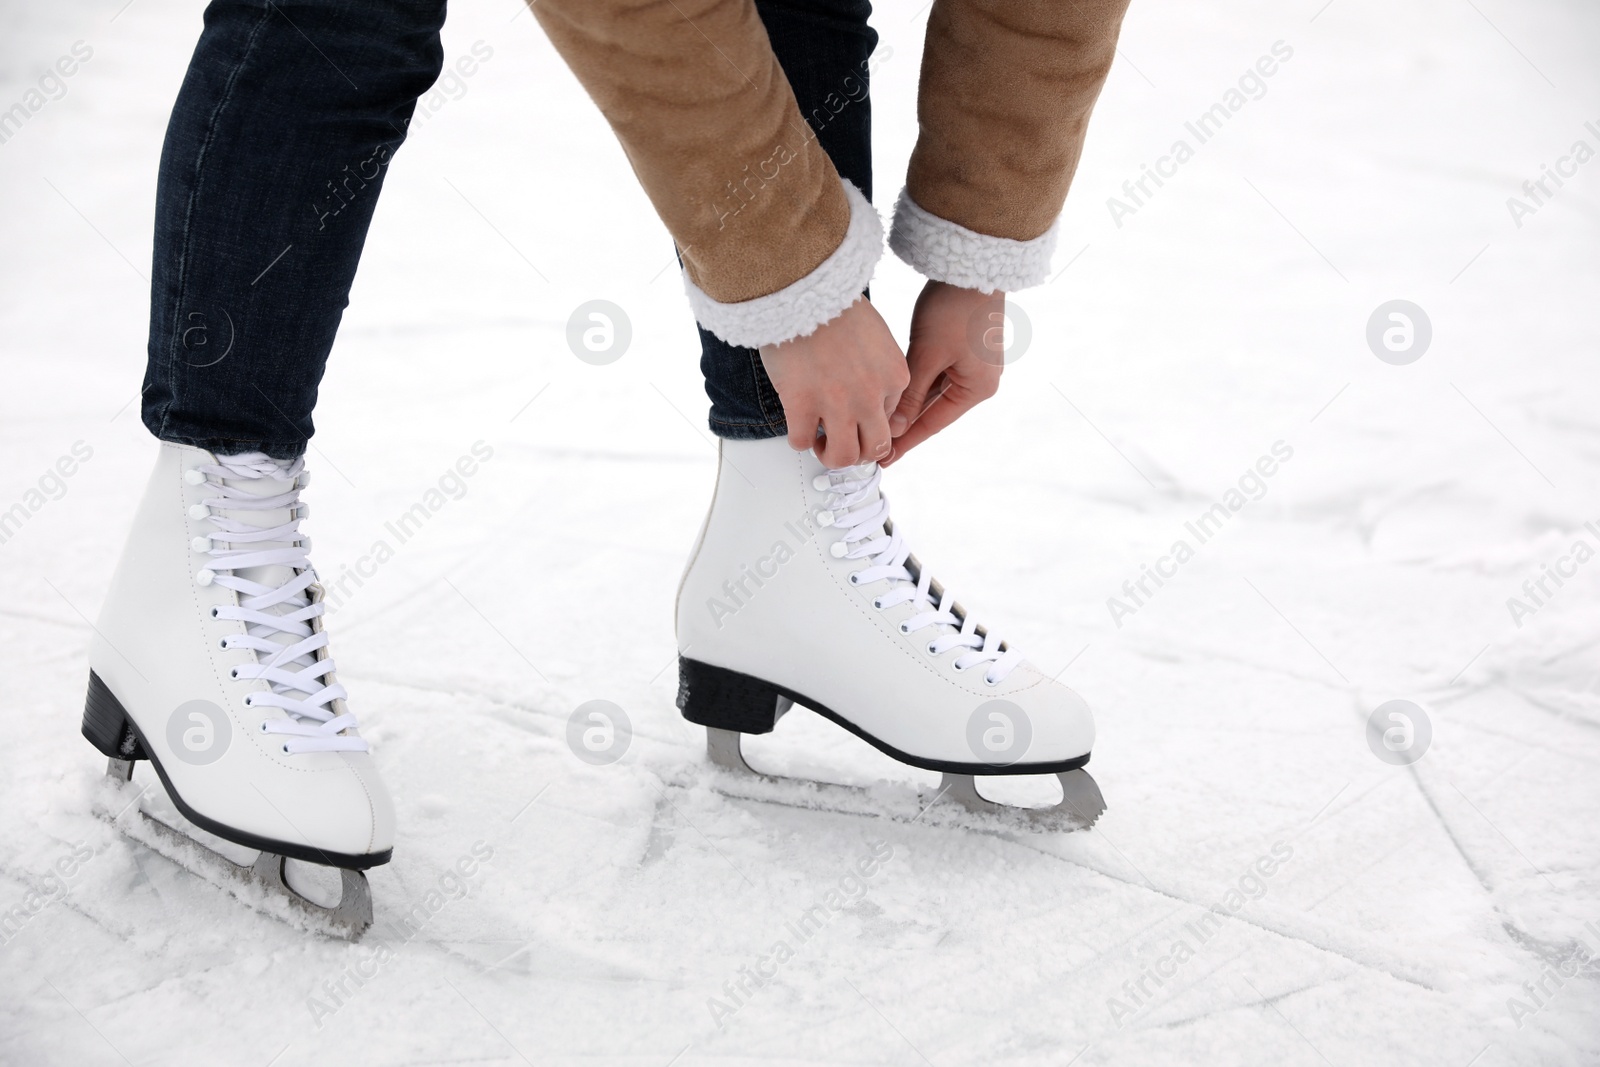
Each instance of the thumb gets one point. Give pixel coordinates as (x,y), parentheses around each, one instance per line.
(925,370)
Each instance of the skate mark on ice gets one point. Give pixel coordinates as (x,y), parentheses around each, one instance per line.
(1234,1005)
(507,709)
(1538,948)
(1130,939)
(1272,1003)
(1434,817)
(124,937)
(1373,960)
(448,949)
(1571,715)
(556,962)
(662,835)
(1565,753)
(1504,838)
(1201,654)
(1272,999)
(1542,950)
(1179,994)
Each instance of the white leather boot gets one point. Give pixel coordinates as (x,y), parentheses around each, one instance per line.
(209,659)
(801,591)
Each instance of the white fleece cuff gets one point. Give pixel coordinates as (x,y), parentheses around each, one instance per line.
(800,307)
(949,252)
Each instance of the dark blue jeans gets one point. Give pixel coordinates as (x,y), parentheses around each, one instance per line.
(274,158)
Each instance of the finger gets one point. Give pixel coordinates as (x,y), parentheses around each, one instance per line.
(876,441)
(891,400)
(802,429)
(841,446)
(926,369)
(940,385)
(956,402)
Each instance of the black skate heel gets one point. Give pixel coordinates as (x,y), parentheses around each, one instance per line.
(722,699)
(728,704)
(106,725)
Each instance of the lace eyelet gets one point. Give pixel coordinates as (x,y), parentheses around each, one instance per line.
(263,722)
(223,644)
(286,751)
(233,672)
(877,602)
(958,668)
(931,650)
(904,628)
(990,681)
(855,577)
(213,613)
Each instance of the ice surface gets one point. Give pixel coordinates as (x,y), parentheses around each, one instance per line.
(1227,313)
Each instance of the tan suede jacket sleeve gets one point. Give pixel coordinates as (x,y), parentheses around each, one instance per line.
(1002,110)
(773,242)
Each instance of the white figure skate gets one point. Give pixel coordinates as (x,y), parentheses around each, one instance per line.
(209,659)
(801,591)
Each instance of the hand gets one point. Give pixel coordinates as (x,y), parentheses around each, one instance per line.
(955,360)
(848,376)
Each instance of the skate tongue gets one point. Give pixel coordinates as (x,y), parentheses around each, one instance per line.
(270,478)
(274,484)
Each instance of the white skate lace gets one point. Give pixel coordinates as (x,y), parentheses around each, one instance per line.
(862,513)
(278,617)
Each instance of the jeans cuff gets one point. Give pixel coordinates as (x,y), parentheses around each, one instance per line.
(747,431)
(223,446)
